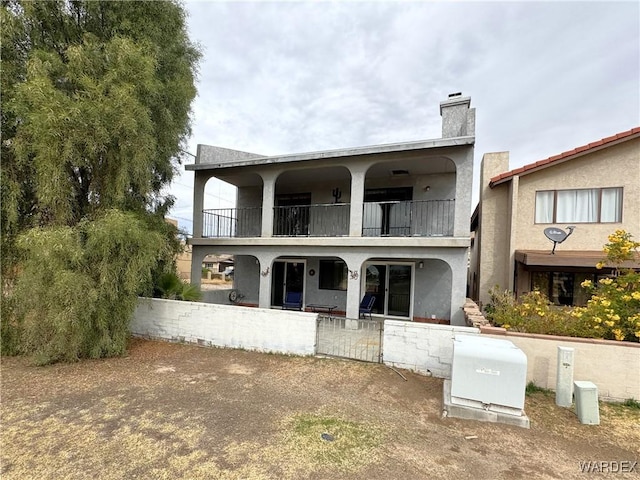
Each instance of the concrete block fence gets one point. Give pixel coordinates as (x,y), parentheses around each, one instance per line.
(226,326)
(422,347)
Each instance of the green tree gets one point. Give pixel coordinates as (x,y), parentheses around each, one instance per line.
(95,114)
(100,112)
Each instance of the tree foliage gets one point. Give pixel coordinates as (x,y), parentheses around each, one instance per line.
(95,114)
(78,286)
(100,108)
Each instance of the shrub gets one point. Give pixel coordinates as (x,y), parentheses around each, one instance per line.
(78,287)
(613,310)
(534,313)
(172,287)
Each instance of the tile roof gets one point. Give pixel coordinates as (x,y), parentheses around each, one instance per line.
(562,156)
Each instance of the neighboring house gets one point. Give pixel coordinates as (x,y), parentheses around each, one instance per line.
(390,220)
(183,263)
(214,263)
(217,263)
(595,188)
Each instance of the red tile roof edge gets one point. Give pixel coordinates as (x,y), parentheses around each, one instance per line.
(563,155)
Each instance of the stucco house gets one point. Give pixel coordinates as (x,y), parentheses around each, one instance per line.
(594,188)
(390,220)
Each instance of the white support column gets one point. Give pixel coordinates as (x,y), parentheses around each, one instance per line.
(354,266)
(458,287)
(197,256)
(199,182)
(464,186)
(357,201)
(265,267)
(268,194)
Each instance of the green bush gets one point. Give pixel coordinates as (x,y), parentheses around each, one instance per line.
(78,286)
(534,313)
(172,287)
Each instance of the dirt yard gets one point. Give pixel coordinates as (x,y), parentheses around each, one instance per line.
(172,411)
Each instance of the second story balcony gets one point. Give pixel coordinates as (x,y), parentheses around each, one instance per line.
(418,218)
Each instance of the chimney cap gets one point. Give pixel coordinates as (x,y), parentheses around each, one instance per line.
(455,99)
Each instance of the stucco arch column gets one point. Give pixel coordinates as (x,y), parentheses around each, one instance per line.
(458,267)
(199,182)
(264,296)
(358,175)
(464,183)
(268,194)
(197,257)
(354,266)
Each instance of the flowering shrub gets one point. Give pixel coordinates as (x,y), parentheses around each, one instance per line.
(614,307)
(534,313)
(612,312)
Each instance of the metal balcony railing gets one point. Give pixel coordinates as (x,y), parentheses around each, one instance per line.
(232,222)
(318,220)
(420,218)
(423,218)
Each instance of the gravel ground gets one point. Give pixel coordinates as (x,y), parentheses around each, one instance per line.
(169,411)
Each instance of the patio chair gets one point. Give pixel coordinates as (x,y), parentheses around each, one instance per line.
(292,301)
(366,305)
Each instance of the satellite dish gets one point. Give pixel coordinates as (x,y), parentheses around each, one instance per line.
(557,235)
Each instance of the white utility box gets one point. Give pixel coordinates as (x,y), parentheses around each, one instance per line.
(587,407)
(488,373)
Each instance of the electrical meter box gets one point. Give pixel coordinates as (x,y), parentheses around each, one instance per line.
(488,373)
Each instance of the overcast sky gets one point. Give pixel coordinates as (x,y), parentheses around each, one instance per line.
(284,77)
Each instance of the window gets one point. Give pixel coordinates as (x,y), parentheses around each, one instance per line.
(332,275)
(563,288)
(589,205)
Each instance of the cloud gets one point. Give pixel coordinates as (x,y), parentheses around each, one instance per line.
(301,76)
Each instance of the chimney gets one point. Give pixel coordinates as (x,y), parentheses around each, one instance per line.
(458,120)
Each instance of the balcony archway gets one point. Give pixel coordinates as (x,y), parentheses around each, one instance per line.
(412,196)
(312,202)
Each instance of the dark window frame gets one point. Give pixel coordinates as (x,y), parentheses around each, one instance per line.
(328,279)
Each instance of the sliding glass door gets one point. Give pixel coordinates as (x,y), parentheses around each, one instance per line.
(288,276)
(392,286)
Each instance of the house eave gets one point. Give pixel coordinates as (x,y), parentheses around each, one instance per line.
(331,154)
(337,242)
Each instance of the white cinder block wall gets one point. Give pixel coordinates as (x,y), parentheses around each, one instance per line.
(422,347)
(226,326)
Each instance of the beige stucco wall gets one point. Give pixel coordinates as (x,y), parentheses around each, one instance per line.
(493,237)
(183,264)
(613,366)
(616,166)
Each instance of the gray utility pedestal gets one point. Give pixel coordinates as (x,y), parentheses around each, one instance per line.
(488,381)
(587,407)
